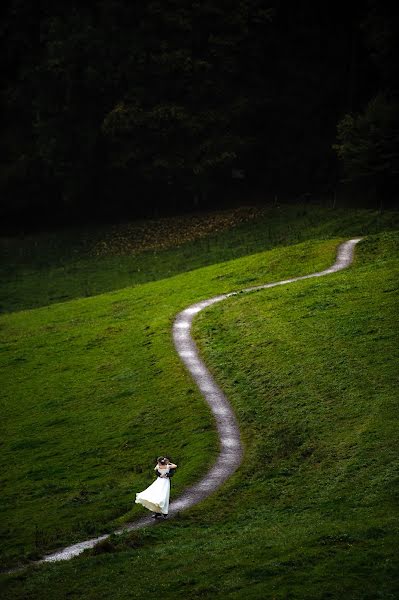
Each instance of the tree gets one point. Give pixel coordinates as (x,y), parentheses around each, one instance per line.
(368,144)
(183,114)
(122,107)
(368,141)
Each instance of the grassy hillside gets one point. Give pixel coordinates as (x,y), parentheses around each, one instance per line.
(50,268)
(93,391)
(310,370)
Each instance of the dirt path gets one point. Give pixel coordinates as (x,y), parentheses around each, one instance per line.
(231,451)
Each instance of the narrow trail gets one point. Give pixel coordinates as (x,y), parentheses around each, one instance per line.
(231,451)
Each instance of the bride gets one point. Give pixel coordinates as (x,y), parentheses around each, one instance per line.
(156,496)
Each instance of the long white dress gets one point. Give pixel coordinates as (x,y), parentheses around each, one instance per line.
(156,496)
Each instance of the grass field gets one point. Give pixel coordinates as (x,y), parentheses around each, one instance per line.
(310,371)
(55,267)
(84,382)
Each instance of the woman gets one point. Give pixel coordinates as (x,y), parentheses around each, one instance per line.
(156,496)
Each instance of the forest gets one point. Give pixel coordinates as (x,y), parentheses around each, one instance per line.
(119,109)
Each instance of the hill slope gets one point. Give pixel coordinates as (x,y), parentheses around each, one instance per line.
(50,268)
(93,391)
(310,370)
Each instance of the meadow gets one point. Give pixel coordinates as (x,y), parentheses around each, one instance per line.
(93,391)
(39,270)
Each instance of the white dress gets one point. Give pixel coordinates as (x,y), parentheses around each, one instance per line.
(156,496)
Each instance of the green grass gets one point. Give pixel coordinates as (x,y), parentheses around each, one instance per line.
(311,372)
(93,391)
(50,268)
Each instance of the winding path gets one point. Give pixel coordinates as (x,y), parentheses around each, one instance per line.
(231,451)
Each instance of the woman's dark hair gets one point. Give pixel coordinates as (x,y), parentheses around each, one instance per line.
(162,460)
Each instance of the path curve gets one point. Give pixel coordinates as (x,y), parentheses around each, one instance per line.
(231,451)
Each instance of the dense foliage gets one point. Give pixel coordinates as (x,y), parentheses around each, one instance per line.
(146,107)
(369,144)
(368,141)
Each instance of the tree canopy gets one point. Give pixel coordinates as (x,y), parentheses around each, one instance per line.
(368,140)
(139,107)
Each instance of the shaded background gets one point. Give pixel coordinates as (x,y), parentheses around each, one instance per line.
(128,109)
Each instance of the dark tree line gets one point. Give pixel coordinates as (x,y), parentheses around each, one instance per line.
(368,140)
(135,108)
